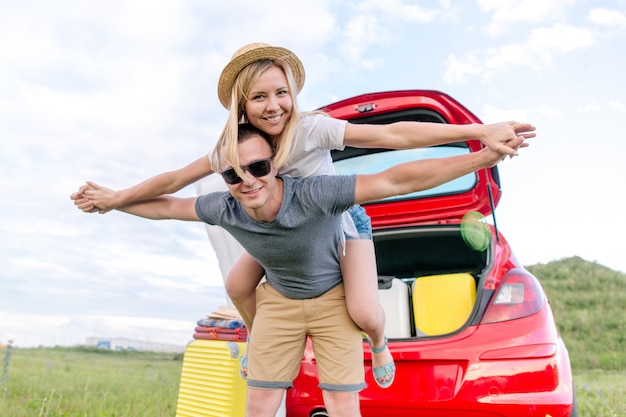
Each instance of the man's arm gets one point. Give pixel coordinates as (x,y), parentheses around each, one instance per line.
(422,175)
(164,207)
(93,197)
(407,135)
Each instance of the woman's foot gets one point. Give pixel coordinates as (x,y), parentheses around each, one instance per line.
(383,366)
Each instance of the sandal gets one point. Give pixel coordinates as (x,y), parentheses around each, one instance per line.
(243,371)
(243,362)
(383,375)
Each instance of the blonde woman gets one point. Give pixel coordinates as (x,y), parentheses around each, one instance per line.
(259,86)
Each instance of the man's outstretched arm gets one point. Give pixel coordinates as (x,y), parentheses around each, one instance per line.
(164,207)
(424,174)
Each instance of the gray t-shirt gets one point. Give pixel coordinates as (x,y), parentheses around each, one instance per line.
(299,249)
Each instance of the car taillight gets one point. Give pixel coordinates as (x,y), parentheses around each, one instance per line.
(519,295)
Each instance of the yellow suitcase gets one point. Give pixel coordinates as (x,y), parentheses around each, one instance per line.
(442,303)
(210,384)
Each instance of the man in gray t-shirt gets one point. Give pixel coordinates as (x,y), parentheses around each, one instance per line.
(292,228)
(299,248)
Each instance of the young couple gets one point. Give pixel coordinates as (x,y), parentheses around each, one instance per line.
(318,262)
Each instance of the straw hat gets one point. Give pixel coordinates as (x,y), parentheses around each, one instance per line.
(256,52)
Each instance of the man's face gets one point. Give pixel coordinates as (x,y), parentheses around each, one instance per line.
(254,193)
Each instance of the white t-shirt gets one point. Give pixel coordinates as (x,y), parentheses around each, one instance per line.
(310,156)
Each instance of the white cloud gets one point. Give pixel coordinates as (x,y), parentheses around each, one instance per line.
(606,17)
(595,107)
(618,106)
(561,38)
(506,12)
(404,11)
(29,330)
(548,111)
(361,32)
(492,114)
(378,23)
(536,53)
(18,321)
(460,70)
(591,107)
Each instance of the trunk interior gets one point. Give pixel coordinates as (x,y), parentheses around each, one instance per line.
(428,280)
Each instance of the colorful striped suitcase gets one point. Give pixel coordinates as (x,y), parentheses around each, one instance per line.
(210,384)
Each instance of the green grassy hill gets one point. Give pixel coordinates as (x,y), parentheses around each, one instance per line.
(589,305)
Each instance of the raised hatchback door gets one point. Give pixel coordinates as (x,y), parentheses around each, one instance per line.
(446,203)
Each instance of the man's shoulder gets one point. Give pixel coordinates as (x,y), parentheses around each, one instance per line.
(217,200)
(325,184)
(214,196)
(315,178)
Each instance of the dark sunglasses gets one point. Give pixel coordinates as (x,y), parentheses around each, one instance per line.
(257,169)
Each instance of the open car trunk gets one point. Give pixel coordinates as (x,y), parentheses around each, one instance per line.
(428,280)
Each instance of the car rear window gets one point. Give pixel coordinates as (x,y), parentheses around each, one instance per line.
(373,161)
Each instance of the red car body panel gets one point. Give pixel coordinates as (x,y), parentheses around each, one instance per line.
(516,367)
(442,208)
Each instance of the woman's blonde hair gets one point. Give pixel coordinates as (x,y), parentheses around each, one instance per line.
(282,143)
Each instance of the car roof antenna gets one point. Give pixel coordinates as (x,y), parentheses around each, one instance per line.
(493,211)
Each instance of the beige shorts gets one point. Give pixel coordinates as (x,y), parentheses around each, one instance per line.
(278,339)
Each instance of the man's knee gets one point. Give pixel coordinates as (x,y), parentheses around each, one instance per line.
(263,403)
(342,404)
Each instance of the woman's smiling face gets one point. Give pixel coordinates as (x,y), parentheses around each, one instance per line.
(269,104)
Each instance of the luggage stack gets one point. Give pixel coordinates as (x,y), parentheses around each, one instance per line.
(210,384)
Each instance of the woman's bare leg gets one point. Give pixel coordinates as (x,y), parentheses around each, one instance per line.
(241,285)
(360,278)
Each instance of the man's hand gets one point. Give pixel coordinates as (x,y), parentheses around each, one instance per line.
(82,202)
(494,157)
(500,137)
(94,198)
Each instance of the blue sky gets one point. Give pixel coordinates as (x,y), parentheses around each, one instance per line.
(118,91)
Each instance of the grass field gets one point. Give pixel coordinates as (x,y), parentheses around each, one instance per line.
(77,382)
(601,393)
(73,382)
(588,301)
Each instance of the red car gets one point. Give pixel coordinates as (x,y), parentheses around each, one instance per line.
(471,331)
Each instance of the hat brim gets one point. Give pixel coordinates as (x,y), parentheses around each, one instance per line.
(274,53)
